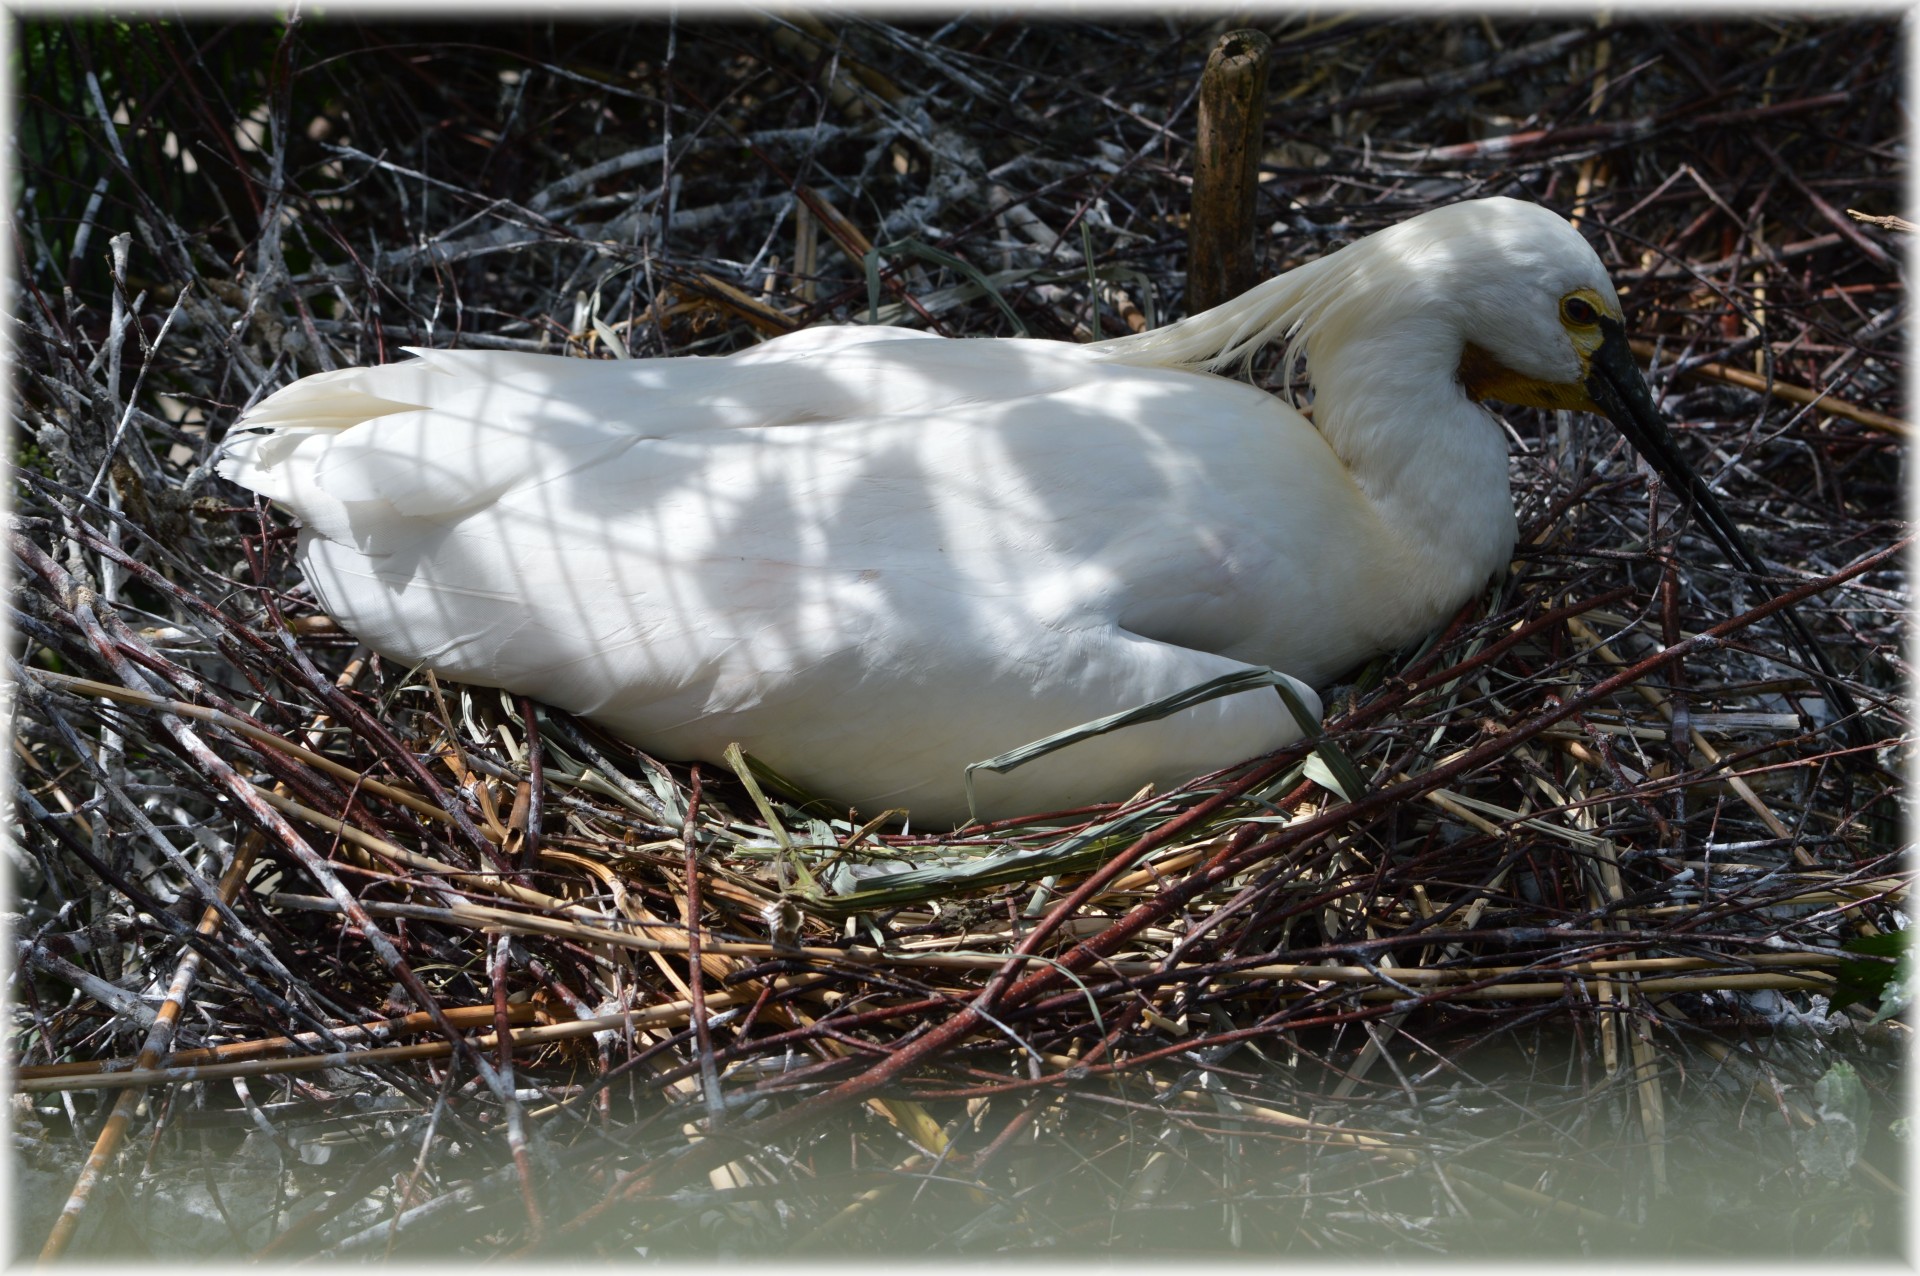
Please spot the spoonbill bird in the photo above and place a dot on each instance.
(872, 556)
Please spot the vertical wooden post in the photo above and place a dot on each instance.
(1233, 113)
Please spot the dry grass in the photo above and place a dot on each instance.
(1558, 965)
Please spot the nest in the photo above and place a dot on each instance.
(1506, 958)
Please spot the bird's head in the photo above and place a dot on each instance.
(1542, 328)
(1538, 317)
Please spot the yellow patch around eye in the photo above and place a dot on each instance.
(1583, 308)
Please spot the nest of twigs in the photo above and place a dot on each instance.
(1564, 933)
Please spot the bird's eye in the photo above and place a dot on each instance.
(1579, 311)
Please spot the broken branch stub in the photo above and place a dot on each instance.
(1220, 234)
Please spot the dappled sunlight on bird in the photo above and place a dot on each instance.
(871, 556)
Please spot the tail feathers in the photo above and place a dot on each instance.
(343, 398)
(261, 443)
(432, 437)
(335, 406)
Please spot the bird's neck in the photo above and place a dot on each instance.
(1383, 355)
(1431, 461)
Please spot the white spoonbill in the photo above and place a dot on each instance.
(872, 556)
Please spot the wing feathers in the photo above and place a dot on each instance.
(868, 556)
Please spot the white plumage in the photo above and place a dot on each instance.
(872, 556)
